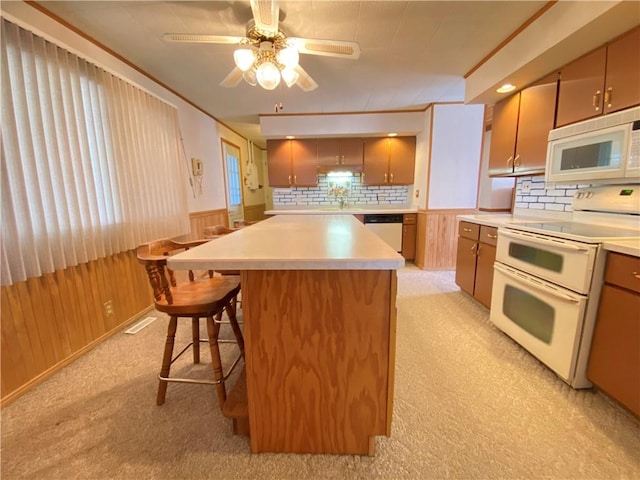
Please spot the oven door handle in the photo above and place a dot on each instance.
(523, 278)
(561, 244)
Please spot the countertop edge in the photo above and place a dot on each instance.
(627, 247)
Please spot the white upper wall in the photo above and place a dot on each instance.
(455, 156)
(366, 124)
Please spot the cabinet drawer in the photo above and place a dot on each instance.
(623, 270)
(469, 230)
(488, 235)
(410, 218)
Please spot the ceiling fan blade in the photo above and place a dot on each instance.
(305, 82)
(233, 78)
(265, 15)
(328, 48)
(200, 38)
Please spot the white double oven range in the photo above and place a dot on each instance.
(548, 275)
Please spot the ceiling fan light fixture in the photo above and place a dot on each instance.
(250, 77)
(289, 57)
(290, 76)
(244, 57)
(268, 75)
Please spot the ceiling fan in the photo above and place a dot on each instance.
(266, 54)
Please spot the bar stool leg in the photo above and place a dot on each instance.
(213, 329)
(195, 338)
(166, 360)
(233, 321)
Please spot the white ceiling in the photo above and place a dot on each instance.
(413, 52)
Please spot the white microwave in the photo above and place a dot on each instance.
(600, 150)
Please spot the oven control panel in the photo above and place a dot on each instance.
(609, 199)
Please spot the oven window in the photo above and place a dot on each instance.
(529, 313)
(536, 256)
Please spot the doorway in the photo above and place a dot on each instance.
(233, 181)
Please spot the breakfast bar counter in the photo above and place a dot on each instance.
(319, 312)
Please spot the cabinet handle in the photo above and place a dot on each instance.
(607, 97)
(295, 179)
(391, 178)
(636, 275)
(342, 160)
(596, 101)
(491, 235)
(289, 179)
(385, 178)
(509, 160)
(473, 249)
(516, 161)
(466, 229)
(337, 159)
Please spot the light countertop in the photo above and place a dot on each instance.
(500, 219)
(628, 247)
(335, 210)
(294, 242)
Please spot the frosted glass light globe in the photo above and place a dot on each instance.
(290, 76)
(244, 58)
(268, 76)
(289, 57)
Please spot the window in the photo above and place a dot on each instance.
(90, 163)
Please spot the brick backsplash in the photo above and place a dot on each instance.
(542, 196)
(360, 194)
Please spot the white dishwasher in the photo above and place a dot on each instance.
(388, 226)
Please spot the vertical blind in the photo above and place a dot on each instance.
(91, 164)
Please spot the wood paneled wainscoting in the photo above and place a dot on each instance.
(254, 212)
(49, 321)
(437, 238)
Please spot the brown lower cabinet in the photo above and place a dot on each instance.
(614, 361)
(409, 231)
(476, 253)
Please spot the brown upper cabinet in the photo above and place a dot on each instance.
(520, 127)
(340, 151)
(389, 161)
(292, 163)
(603, 81)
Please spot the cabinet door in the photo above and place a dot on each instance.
(279, 163)
(329, 151)
(376, 161)
(614, 361)
(503, 135)
(409, 241)
(535, 120)
(466, 264)
(486, 255)
(581, 90)
(622, 87)
(402, 160)
(351, 151)
(304, 161)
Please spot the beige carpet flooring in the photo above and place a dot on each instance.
(469, 404)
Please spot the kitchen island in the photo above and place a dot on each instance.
(319, 312)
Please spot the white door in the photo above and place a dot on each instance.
(233, 181)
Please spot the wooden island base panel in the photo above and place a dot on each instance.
(319, 311)
(320, 359)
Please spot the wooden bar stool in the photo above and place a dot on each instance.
(205, 297)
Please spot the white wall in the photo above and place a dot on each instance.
(495, 193)
(423, 139)
(201, 134)
(455, 156)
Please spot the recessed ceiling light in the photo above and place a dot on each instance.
(392, 135)
(290, 137)
(506, 88)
